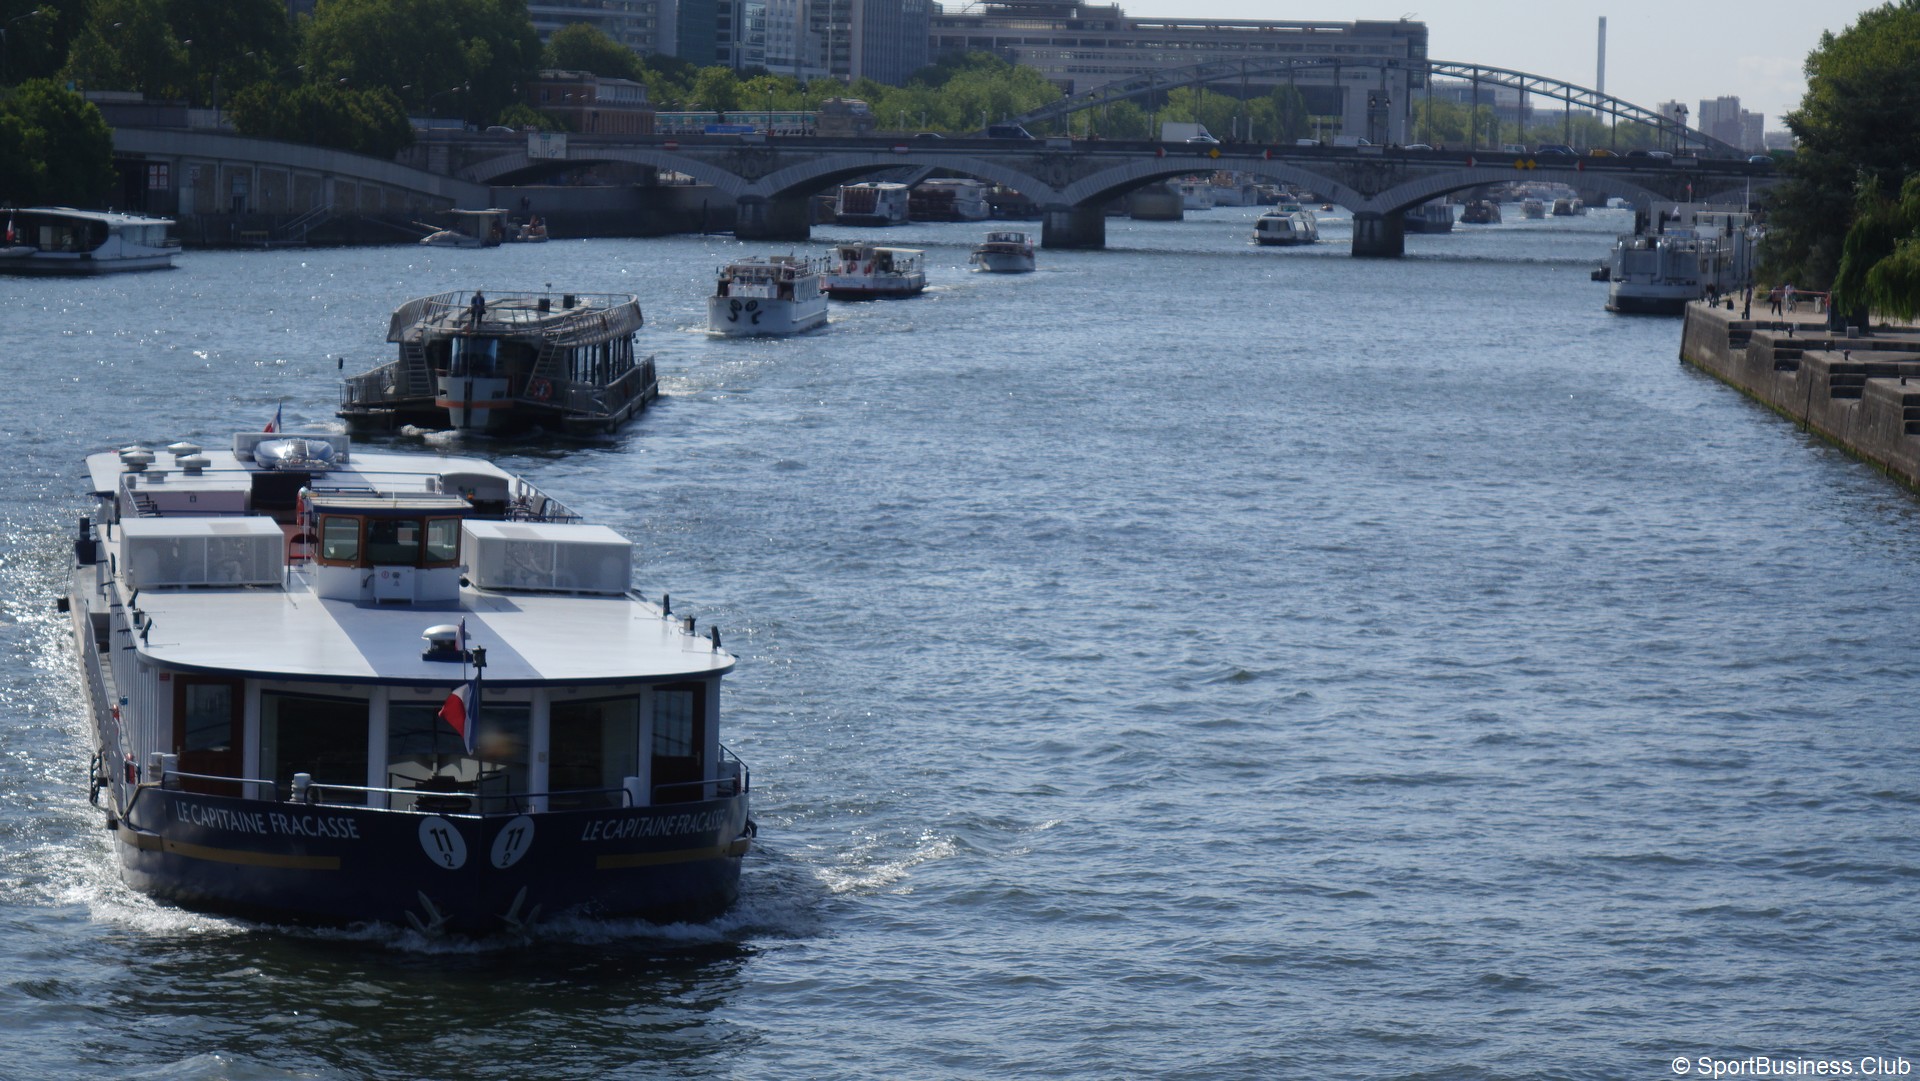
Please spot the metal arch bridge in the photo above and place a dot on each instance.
(1217, 71)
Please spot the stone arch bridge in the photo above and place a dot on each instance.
(771, 179)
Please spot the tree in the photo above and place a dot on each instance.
(1859, 131)
(56, 146)
(364, 121)
(230, 43)
(716, 88)
(475, 52)
(129, 45)
(585, 47)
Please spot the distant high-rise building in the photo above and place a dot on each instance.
(882, 40)
(1725, 120)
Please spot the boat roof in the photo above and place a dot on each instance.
(288, 631)
(105, 217)
(593, 316)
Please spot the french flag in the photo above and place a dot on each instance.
(461, 710)
(274, 424)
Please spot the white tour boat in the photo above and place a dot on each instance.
(1004, 252)
(470, 229)
(1533, 208)
(334, 686)
(872, 203)
(1688, 251)
(61, 241)
(1194, 194)
(868, 272)
(1277, 227)
(779, 294)
(508, 362)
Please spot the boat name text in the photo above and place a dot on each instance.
(617, 829)
(266, 823)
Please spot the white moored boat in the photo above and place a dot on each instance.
(61, 241)
(949, 199)
(1687, 252)
(335, 686)
(867, 272)
(1004, 252)
(1285, 227)
(508, 362)
(471, 229)
(775, 295)
(872, 203)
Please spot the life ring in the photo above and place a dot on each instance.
(539, 389)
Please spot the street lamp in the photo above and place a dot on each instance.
(4, 40)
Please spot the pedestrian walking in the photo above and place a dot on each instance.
(1792, 305)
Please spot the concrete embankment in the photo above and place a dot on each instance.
(1862, 394)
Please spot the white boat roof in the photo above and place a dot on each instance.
(108, 217)
(290, 632)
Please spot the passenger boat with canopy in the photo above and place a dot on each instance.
(58, 241)
(336, 686)
(508, 362)
(779, 294)
(866, 272)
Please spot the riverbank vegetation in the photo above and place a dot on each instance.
(1847, 217)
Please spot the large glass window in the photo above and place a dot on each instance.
(501, 744)
(392, 541)
(592, 745)
(443, 540)
(339, 539)
(324, 737)
(679, 742)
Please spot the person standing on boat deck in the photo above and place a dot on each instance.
(479, 307)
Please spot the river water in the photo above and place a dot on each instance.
(1190, 660)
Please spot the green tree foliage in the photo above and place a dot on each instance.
(584, 47)
(1880, 255)
(715, 88)
(54, 147)
(1859, 133)
(363, 121)
(230, 43)
(470, 55)
(129, 45)
(37, 38)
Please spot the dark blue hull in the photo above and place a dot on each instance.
(478, 875)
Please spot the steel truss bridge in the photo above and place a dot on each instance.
(1670, 131)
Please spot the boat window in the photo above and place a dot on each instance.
(592, 745)
(393, 541)
(476, 356)
(443, 541)
(339, 539)
(679, 742)
(323, 737)
(501, 744)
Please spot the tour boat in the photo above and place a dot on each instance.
(1688, 251)
(1194, 194)
(948, 199)
(1480, 212)
(332, 686)
(61, 241)
(1430, 217)
(775, 295)
(1533, 208)
(1278, 227)
(1568, 208)
(871, 203)
(1004, 252)
(1231, 188)
(508, 362)
(867, 272)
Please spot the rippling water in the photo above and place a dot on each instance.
(1189, 660)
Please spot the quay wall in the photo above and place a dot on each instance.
(1862, 394)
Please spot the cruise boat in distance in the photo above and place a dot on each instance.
(1429, 217)
(1533, 208)
(872, 203)
(508, 362)
(1480, 212)
(1279, 227)
(1231, 188)
(1688, 251)
(868, 272)
(330, 686)
(1194, 194)
(58, 241)
(948, 199)
(779, 294)
(1005, 251)
(1565, 207)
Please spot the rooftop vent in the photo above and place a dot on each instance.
(182, 449)
(193, 464)
(136, 458)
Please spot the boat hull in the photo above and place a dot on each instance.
(81, 265)
(876, 287)
(995, 262)
(745, 317)
(1651, 300)
(471, 874)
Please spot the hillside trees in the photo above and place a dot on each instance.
(54, 147)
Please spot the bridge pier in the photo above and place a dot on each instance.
(1073, 227)
(1379, 236)
(782, 218)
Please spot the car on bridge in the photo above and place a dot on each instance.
(1554, 150)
